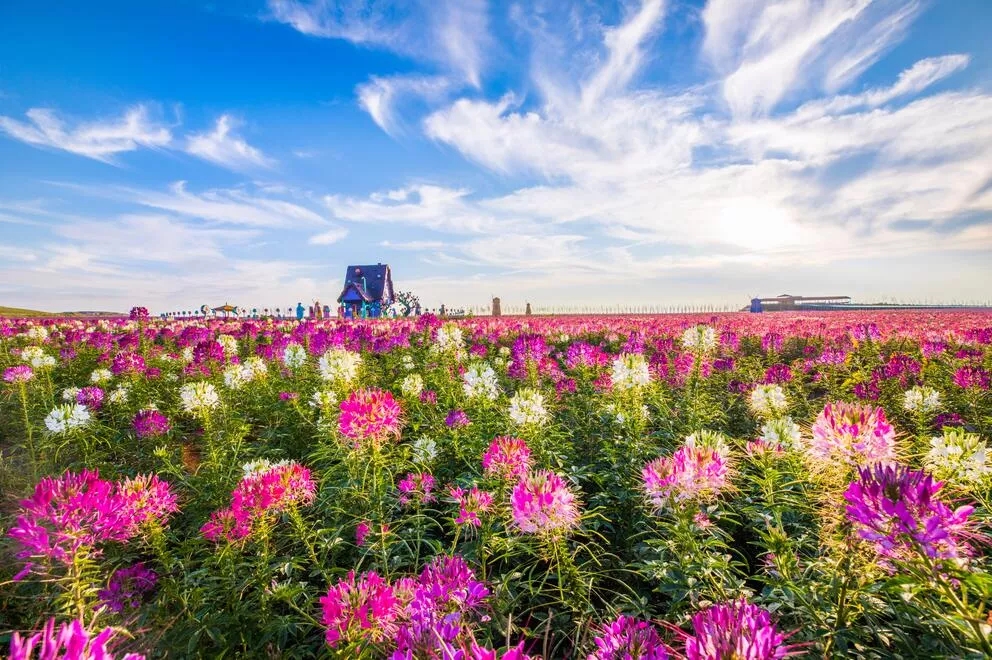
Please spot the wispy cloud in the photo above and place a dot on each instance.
(100, 140)
(223, 146)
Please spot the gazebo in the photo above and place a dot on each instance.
(225, 309)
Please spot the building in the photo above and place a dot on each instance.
(787, 301)
(367, 293)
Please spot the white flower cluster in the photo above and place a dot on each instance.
(198, 398)
(782, 431)
(187, 354)
(412, 385)
(449, 339)
(921, 399)
(230, 344)
(641, 414)
(700, 339)
(630, 370)
(69, 393)
(958, 457)
(260, 465)
(119, 395)
(238, 375)
(527, 408)
(101, 376)
(324, 399)
(339, 365)
(67, 417)
(37, 333)
(504, 351)
(768, 401)
(479, 382)
(294, 356)
(709, 440)
(424, 450)
(408, 363)
(37, 358)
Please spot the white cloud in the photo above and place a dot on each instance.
(329, 237)
(382, 97)
(100, 140)
(222, 146)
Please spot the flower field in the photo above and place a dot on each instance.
(732, 486)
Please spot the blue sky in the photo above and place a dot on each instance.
(644, 152)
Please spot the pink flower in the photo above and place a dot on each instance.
(736, 630)
(543, 503)
(127, 363)
(361, 532)
(693, 472)
(470, 505)
(149, 498)
(369, 416)
(628, 638)
(362, 611)
(507, 457)
(150, 423)
(22, 373)
(855, 433)
(70, 642)
(416, 487)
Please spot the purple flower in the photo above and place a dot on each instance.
(778, 373)
(127, 363)
(289, 396)
(138, 314)
(738, 630)
(947, 419)
(127, 587)
(150, 423)
(895, 508)
(91, 397)
(457, 419)
(71, 641)
(772, 341)
(968, 377)
(428, 396)
(22, 373)
(628, 638)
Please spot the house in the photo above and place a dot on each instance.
(367, 293)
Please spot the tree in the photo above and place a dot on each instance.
(408, 301)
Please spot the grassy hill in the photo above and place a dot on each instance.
(17, 312)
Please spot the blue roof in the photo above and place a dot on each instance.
(372, 283)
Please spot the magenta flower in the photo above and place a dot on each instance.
(457, 419)
(580, 354)
(70, 642)
(738, 630)
(896, 509)
(138, 314)
(772, 341)
(227, 525)
(470, 504)
(507, 457)
(369, 416)
(417, 488)
(542, 503)
(362, 611)
(149, 499)
(968, 377)
(854, 433)
(696, 471)
(476, 652)
(361, 532)
(127, 363)
(91, 397)
(127, 587)
(22, 373)
(150, 423)
(628, 638)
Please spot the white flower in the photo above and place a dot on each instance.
(46, 362)
(255, 368)
(198, 398)
(479, 381)
(119, 395)
(768, 401)
(412, 385)
(67, 417)
(504, 351)
(408, 363)
(101, 376)
(958, 457)
(921, 399)
(782, 431)
(69, 393)
(230, 344)
(630, 370)
(235, 376)
(700, 339)
(261, 465)
(187, 354)
(449, 339)
(37, 333)
(323, 399)
(710, 440)
(294, 356)
(37, 357)
(424, 450)
(339, 366)
(527, 408)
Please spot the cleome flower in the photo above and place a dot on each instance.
(507, 457)
(70, 641)
(339, 366)
(768, 401)
(629, 370)
(527, 408)
(470, 504)
(856, 434)
(479, 382)
(896, 509)
(738, 630)
(628, 638)
(67, 417)
(921, 399)
(701, 339)
(198, 398)
(542, 503)
(369, 416)
(959, 458)
(698, 470)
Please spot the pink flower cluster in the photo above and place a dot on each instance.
(507, 458)
(693, 472)
(628, 638)
(276, 489)
(739, 630)
(21, 373)
(896, 509)
(417, 488)
(70, 642)
(470, 504)
(76, 512)
(855, 433)
(542, 503)
(427, 616)
(369, 416)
